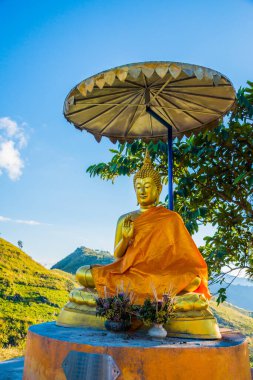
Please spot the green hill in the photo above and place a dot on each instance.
(232, 318)
(83, 256)
(29, 294)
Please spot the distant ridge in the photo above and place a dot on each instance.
(239, 293)
(30, 293)
(242, 281)
(83, 256)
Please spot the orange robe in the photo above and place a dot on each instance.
(162, 255)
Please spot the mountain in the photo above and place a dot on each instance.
(235, 319)
(83, 256)
(29, 294)
(239, 293)
(238, 280)
(241, 296)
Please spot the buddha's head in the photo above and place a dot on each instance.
(147, 184)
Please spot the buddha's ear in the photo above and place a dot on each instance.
(158, 194)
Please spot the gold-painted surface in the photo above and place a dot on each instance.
(196, 314)
(147, 195)
(190, 301)
(82, 297)
(196, 328)
(76, 315)
(73, 317)
(192, 324)
(84, 276)
(86, 309)
(181, 266)
(148, 171)
(124, 228)
(114, 103)
(147, 185)
(194, 284)
(190, 308)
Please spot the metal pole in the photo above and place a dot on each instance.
(170, 170)
(170, 156)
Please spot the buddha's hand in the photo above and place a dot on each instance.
(128, 229)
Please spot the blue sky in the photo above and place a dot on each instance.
(46, 198)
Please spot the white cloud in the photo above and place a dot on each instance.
(20, 221)
(30, 222)
(10, 160)
(10, 126)
(4, 219)
(13, 138)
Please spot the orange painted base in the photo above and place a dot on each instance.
(137, 356)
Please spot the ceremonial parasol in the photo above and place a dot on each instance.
(151, 101)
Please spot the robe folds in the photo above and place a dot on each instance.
(162, 255)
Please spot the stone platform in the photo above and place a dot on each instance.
(137, 356)
(12, 369)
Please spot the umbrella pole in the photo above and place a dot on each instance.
(170, 170)
(170, 155)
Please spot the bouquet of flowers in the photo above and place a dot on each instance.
(116, 308)
(157, 312)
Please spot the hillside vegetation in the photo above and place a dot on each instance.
(83, 256)
(29, 294)
(232, 318)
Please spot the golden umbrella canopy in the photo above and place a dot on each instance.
(130, 101)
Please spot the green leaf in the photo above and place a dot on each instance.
(114, 151)
(239, 178)
(213, 178)
(250, 180)
(221, 295)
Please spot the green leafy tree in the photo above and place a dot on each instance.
(213, 181)
(20, 244)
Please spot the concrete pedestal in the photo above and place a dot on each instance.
(137, 356)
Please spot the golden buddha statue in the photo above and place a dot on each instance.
(153, 250)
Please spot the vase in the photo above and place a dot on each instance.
(117, 326)
(157, 331)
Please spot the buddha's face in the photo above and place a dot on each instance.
(146, 191)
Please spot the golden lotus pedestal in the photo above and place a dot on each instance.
(192, 324)
(192, 317)
(135, 355)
